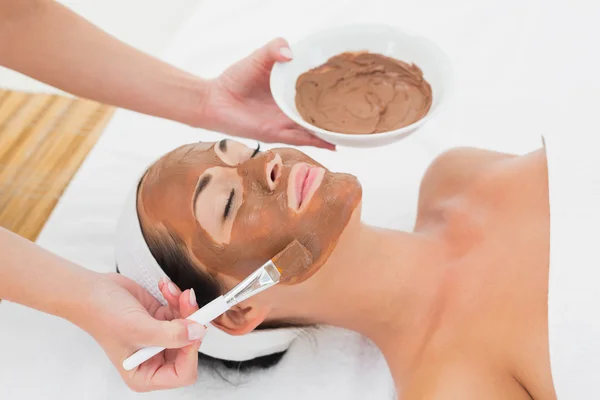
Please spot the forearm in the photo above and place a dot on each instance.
(36, 278)
(50, 43)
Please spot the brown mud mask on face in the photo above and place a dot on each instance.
(293, 263)
(360, 93)
(264, 223)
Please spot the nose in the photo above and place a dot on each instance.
(273, 171)
(265, 168)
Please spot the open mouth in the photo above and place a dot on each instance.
(305, 180)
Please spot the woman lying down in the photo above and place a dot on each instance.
(472, 304)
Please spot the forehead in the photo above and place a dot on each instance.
(194, 157)
(170, 182)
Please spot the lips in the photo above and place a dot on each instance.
(305, 179)
(302, 183)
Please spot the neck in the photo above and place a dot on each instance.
(383, 284)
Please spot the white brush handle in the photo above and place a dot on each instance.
(203, 316)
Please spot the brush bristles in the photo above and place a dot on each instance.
(293, 261)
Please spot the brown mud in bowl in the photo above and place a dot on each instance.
(363, 93)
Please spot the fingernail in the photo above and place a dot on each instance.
(193, 301)
(165, 281)
(195, 332)
(286, 52)
(173, 289)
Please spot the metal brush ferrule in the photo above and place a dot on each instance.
(261, 279)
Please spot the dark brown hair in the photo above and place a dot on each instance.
(170, 253)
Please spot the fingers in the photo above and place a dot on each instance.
(186, 363)
(170, 292)
(187, 303)
(168, 334)
(178, 365)
(184, 304)
(177, 369)
(301, 137)
(165, 313)
(277, 50)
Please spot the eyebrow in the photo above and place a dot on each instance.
(223, 145)
(199, 188)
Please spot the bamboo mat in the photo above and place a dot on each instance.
(43, 141)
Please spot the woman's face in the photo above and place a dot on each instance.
(236, 207)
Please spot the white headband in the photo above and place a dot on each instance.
(136, 262)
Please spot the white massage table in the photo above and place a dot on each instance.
(523, 67)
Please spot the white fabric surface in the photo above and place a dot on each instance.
(523, 68)
(573, 294)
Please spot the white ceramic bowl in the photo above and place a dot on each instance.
(318, 47)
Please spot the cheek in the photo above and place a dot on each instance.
(256, 237)
(247, 219)
(260, 230)
(330, 210)
(253, 223)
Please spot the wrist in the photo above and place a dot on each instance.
(200, 114)
(75, 303)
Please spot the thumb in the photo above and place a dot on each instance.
(172, 334)
(277, 50)
(301, 137)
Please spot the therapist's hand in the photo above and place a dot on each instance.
(240, 101)
(123, 317)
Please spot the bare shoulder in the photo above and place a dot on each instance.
(461, 163)
(463, 380)
(453, 169)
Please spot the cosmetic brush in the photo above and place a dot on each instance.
(287, 264)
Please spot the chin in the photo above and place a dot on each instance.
(348, 237)
(348, 194)
(352, 189)
(341, 196)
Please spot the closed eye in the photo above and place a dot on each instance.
(256, 151)
(228, 205)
